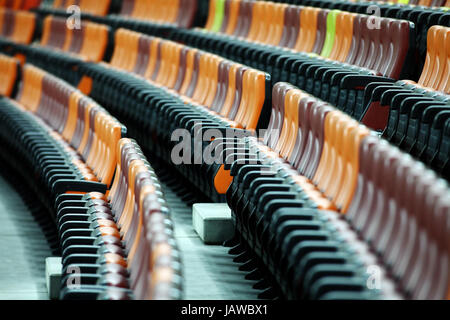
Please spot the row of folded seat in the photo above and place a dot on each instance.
(19, 4)
(230, 12)
(17, 26)
(129, 41)
(432, 142)
(180, 13)
(9, 73)
(363, 5)
(340, 52)
(305, 29)
(415, 116)
(422, 17)
(88, 42)
(285, 29)
(329, 209)
(325, 205)
(336, 86)
(428, 3)
(122, 244)
(115, 231)
(98, 7)
(61, 49)
(172, 86)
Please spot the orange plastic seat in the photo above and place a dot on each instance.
(232, 16)
(95, 42)
(276, 23)
(98, 8)
(17, 26)
(211, 14)
(308, 25)
(89, 42)
(162, 11)
(437, 63)
(343, 37)
(8, 74)
(30, 91)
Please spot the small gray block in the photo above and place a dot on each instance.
(53, 270)
(212, 222)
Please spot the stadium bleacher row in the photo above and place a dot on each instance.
(329, 128)
(109, 229)
(300, 236)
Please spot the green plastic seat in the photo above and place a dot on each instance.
(218, 18)
(331, 32)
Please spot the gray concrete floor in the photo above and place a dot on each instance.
(209, 271)
(23, 248)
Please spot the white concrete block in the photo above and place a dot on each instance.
(212, 222)
(53, 270)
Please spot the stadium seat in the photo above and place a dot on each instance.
(168, 81)
(345, 64)
(412, 115)
(50, 99)
(151, 268)
(111, 215)
(159, 62)
(9, 73)
(17, 26)
(19, 4)
(178, 12)
(323, 125)
(62, 49)
(89, 42)
(99, 8)
(279, 212)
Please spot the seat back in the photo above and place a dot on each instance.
(186, 13)
(125, 52)
(435, 71)
(9, 69)
(84, 124)
(211, 15)
(140, 210)
(308, 29)
(54, 32)
(401, 208)
(18, 26)
(330, 33)
(95, 41)
(98, 8)
(338, 167)
(321, 30)
(235, 92)
(380, 44)
(89, 42)
(219, 11)
(244, 19)
(177, 12)
(15, 4)
(291, 26)
(343, 37)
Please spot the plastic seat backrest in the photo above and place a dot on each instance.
(330, 33)
(308, 29)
